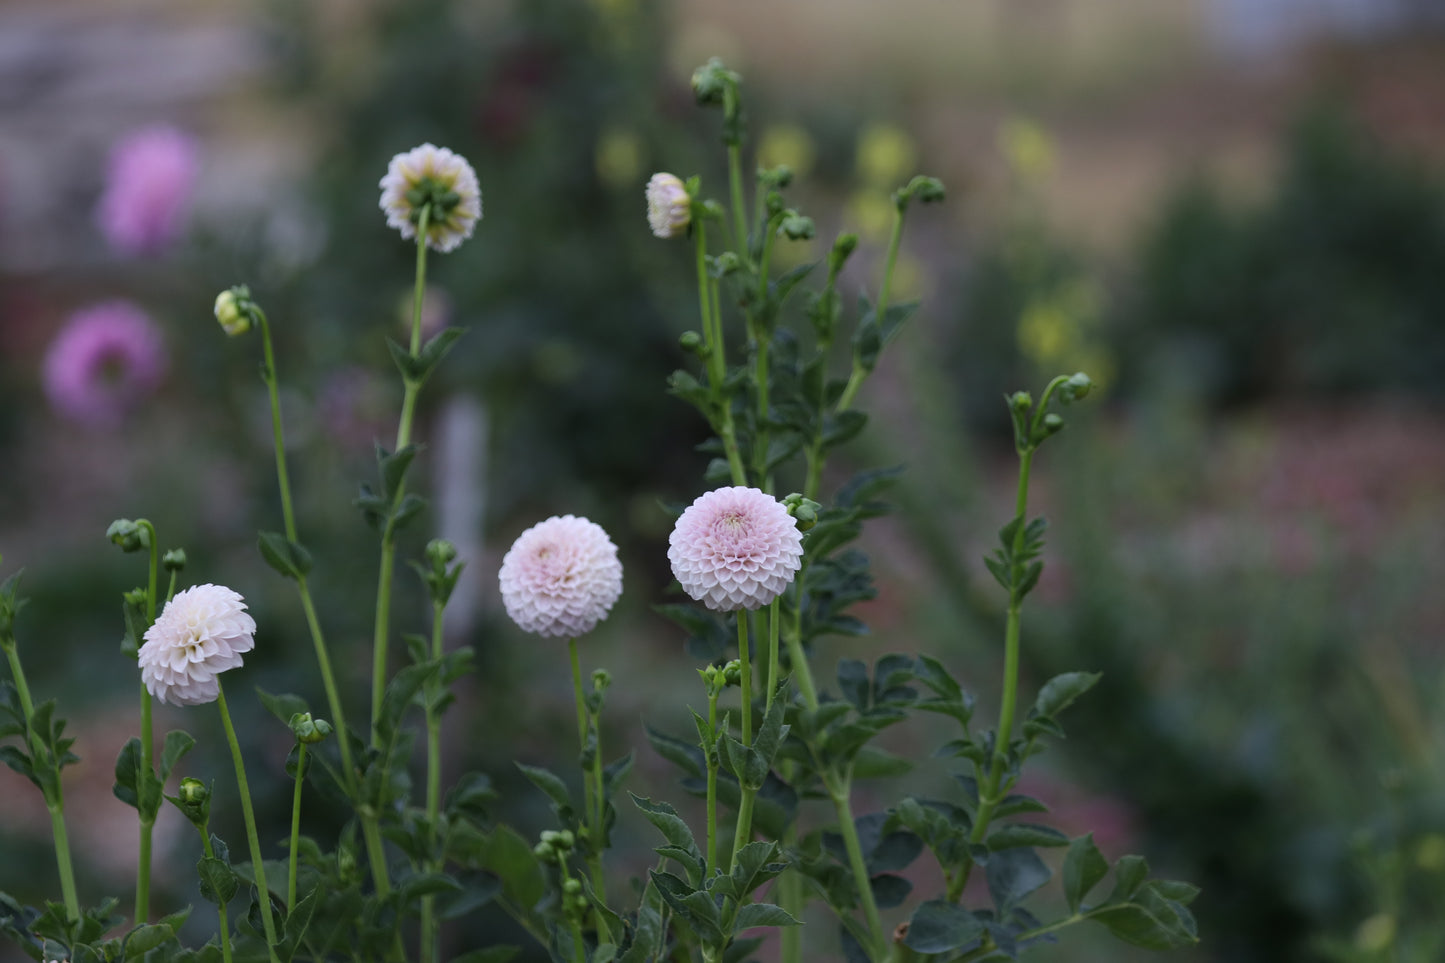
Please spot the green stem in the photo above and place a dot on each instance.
(710, 753)
(143, 863)
(375, 853)
(742, 835)
(257, 864)
(171, 588)
(430, 926)
(717, 355)
(220, 907)
(735, 174)
(802, 674)
(288, 517)
(591, 792)
(62, 857)
(745, 673)
(855, 378)
(411, 389)
(57, 805)
(839, 793)
(790, 898)
(774, 617)
(295, 826)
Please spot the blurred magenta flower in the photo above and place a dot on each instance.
(104, 360)
(148, 189)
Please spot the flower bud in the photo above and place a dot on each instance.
(733, 673)
(174, 560)
(928, 190)
(128, 535)
(440, 552)
(136, 596)
(601, 679)
(1077, 387)
(231, 311)
(726, 263)
(692, 341)
(572, 886)
(1021, 401)
(309, 731)
(710, 83)
(804, 510)
(842, 248)
(780, 176)
(796, 227)
(543, 851)
(669, 208)
(193, 798)
(1053, 424)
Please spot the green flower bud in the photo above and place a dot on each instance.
(693, 342)
(543, 851)
(572, 886)
(780, 176)
(231, 311)
(726, 263)
(193, 798)
(565, 839)
(796, 227)
(440, 552)
(1021, 401)
(843, 247)
(710, 83)
(1077, 387)
(805, 510)
(136, 596)
(174, 560)
(128, 535)
(733, 673)
(309, 731)
(601, 679)
(1052, 423)
(928, 190)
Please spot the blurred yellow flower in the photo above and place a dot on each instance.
(1376, 933)
(870, 212)
(618, 158)
(1027, 147)
(787, 144)
(886, 156)
(1044, 331)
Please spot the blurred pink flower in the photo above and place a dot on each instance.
(735, 548)
(104, 360)
(561, 577)
(148, 190)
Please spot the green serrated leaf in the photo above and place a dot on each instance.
(1061, 691)
(287, 557)
(940, 926)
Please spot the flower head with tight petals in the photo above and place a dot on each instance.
(102, 362)
(561, 577)
(148, 190)
(735, 548)
(669, 209)
(431, 176)
(201, 633)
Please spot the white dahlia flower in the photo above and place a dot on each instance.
(735, 548)
(201, 633)
(561, 577)
(436, 176)
(669, 209)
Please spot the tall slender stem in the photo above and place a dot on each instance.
(56, 806)
(712, 333)
(411, 388)
(590, 791)
(774, 616)
(288, 518)
(745, 673)
(710, 753)
(839, 790)
(221, 906)
(433, 789)
(855, 378)
(147, 742)
(295, 826)
(257, 864)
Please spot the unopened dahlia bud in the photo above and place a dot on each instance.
(842, 248)
(804, 509)
(231, 311)
(440, 552)
(601, 679)
(710, 82)
(439, 181)
(309, 731)
(1052, 423)
(561, 577)
(201, 633)
(1077, 387)
(128, 535)
(669, 209)
(193, 798)
(1021, 401)
(735, 548)
(174, 560)
(796, 227)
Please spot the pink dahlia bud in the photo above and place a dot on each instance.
(439, 179)
(200, 634)
(105, 360)
(561, 577)
(669, 209)
(735, 548)
(148, 190)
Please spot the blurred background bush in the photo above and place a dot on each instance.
(1230, 212)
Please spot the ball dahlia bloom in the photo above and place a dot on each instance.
(735, 548)
(436, 176)
(669, 209)
(201, 633)
(102, 362)
(148, 189)
(561, 577)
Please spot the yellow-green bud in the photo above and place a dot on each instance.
(309, 731)
(193, 792)
(231, 314)
(572, 887)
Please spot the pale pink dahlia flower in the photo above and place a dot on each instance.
(148, 190)
(104, 360)
(735, 548)
(201, 633)
(669, 209)
(436, 176)
(561, 577)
